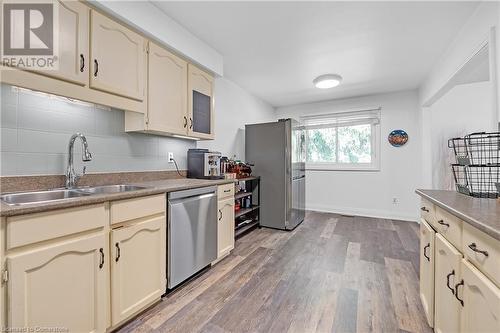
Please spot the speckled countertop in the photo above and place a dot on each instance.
(484, 214)
(153, 187)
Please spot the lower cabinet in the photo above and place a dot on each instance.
(427, 270)
(225, 227)
(480, 305)
(63, 284)
(138, 275)
(447, 274)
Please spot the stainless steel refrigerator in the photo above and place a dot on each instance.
(277, 151)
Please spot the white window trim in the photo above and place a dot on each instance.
(374, 166)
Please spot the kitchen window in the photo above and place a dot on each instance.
(343, 141)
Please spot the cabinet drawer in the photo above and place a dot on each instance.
(449, 226)
(33, 228)
(225, 191)
(428, 212)
(130, 209)
(488, 264)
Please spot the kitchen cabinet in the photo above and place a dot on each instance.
(167, 92)
(138, 267)
(480, 301)
(200, 103)
(225, 226)
(73, 57)
(447, 275)
(118, 58)
(427, 270)
(61, 284)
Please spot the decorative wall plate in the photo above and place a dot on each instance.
(398, 138)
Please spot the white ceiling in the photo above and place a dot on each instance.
(275, 49)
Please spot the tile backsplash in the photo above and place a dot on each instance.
(35, 130)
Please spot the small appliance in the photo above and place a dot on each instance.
(204, 164)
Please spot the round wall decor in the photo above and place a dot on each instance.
(398, 138)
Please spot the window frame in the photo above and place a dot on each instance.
(375, 151)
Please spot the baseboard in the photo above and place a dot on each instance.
(381, 214)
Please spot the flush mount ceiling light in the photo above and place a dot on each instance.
(327, 81)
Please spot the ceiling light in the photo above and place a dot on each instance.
(327, 81)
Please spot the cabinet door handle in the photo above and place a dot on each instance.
(425, 249)
(448, 281)
(82, 63)
(461, 283)
(101, 262)
(191, 123)
(96, 69)
(424, 209)
(220, 214)
(227, 191)
(185, 121)
(474, 248)
(442, 222)
(118, 251)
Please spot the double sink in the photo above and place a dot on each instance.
(26, 198)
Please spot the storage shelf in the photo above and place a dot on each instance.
(244, 211)
(245, 228)
(242, 195)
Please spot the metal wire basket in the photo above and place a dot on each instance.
(477, 180)
(477, 149)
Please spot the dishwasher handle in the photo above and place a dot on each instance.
(192, 193)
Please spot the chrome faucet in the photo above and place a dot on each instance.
(71, 176)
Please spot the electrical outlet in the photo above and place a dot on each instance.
(395, 201)
(170, 157)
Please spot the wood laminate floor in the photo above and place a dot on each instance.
(331, 274)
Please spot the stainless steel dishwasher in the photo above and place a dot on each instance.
(191, 232)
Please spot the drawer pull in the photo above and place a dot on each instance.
(101, 262)
(118, 252)
(227, 191)
(425, 249)
(424, 209)
(474, 248)
(448, 281)
(461, 283)
(442, 222)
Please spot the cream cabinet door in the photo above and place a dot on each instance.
(118, 58)
(481, 301)
(447, 274)
(167, 92)
(62, 285)
(427, 270)
(138, 267)
(225, 227)
(200, 103)
(73, 33)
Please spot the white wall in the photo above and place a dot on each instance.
(234, 108)
(371, 193)
(464, 109)
(147, 18)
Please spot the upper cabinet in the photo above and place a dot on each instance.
(167, 93)
(118, 58)
(73, 43)
(200, 103)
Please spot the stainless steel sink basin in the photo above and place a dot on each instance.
(26, 198)
(110, 189)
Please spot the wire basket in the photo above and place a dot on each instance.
(477, 180)
(477, 149)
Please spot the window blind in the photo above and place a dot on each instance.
(342, 119)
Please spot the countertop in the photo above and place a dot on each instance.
(153, 187)
(484, 214)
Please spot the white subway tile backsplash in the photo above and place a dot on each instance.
(36, 129)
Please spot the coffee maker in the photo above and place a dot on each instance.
(204, 164)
